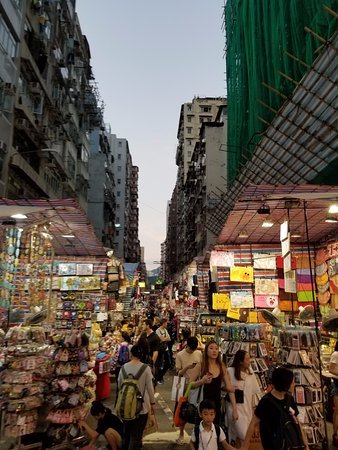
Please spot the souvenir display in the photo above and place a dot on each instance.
(207, 325)
(72, 387)
(298, 348)
(75, 309)
(252, 338)
(24, 379)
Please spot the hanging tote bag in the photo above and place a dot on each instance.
(178, 421)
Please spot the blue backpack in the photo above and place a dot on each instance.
(124, 355)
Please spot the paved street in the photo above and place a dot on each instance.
(167, 434)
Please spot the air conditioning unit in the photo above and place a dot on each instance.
(22, 124)
(35, 88)
(3, 146)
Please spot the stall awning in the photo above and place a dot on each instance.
(61, 218)
(244, 222)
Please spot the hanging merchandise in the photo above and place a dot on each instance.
(298, 348)
(255, 339)
(222, 259)
(72, 389)
(242, 274)
(24, 380)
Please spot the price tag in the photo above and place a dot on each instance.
(220, 301)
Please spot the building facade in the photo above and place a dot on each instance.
(49, 101)
(184, 218)
(101, 192)
(126, 242)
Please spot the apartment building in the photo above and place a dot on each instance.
(101, 195)
(49, 101)
(126, 241)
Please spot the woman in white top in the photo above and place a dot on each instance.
(333, 368)
(246, 385)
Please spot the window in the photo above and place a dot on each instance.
(119, 181)
(117, 232)
(189, 129)
(119, 168)
(189, 154)
(190, 118)
(189, 106)
(189, 142)
(119, 156)
(118, 193)
(120, 143)
(118, 206)
(7, 41)
(205, 109)
(117, 220)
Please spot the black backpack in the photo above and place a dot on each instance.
(290, 436)
(197, 434)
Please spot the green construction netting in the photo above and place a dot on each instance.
(258, 32)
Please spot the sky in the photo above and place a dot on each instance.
(148, 58)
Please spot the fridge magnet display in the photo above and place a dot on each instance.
(67, 269)
(84, 269)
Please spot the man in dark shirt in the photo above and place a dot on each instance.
(109, 425)
(153, 339)
(272, 412)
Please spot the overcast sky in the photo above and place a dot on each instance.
(149, 57)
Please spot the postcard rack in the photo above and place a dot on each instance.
(297, 347)
(254, 339)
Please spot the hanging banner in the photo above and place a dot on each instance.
(241, 299)
(222, 259)
(266, 286)
(220, 301)
(264, 261)
(284, 229)
(241, 274)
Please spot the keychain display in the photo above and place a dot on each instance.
(75, 309)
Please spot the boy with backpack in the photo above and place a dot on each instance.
(207, 435)
(276, 416)
(135, 399)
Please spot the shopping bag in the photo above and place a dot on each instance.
(151, 426)
(178, 422)
(177, 388)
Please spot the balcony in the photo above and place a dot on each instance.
(20, 163)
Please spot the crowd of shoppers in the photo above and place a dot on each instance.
(227, 397)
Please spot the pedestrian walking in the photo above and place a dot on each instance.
(208, 435)
(188, 365)
(135, 371)
(163, 360)
(214, 378)
(276, 416)
(246, 390)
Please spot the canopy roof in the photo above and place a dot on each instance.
(62, 218)
(283, 201)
